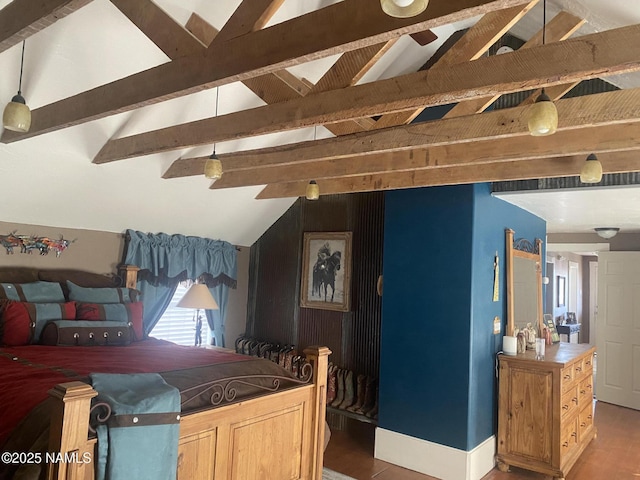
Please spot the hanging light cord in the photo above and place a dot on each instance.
(544, 21)
(544, 29)
(21, 67)
(216, 116)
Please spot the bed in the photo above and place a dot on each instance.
(242, 418)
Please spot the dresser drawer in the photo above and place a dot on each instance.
(585, 391)
(567, 377)
(585, 420)
(588, 363)
(568, 436)
(569, 402)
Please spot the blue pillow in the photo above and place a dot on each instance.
(34, 292)
(101, 295)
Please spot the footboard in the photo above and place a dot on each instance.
(276, 436)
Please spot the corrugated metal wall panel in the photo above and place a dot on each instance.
(274, 312)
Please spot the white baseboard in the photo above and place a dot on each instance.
(433, 459)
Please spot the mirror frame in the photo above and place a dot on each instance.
(522, 248)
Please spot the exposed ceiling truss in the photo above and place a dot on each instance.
(375, 148)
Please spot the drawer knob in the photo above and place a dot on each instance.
(583, 392)
(574, 400)
(590, 417)
(583, 424)
(578, 369)
(574, 434)
(565, 407)
(567, 377)
(565, 444)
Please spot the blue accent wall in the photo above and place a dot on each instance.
(437, 343)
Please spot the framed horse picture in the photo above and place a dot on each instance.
(326, 271)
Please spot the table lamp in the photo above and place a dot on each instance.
(199, 298)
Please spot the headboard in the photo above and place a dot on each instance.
(126, 277)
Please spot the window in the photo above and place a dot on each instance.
(178, 325)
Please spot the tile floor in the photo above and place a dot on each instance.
(613, 455)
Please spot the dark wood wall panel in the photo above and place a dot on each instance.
(364, 325)
(274, 280)
(274, 289)
(322, 327)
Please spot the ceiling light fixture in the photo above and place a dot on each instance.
(607, 232)
(17, 116)
(591, 170)
(213, 166)
(543, 114)
(404, 8)
(313, 191)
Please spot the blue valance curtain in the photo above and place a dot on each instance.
(165, 260)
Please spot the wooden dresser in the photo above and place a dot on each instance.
(545, 409)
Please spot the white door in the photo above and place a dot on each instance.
(618, 329)
(593, 301)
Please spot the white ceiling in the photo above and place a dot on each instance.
(50, 179)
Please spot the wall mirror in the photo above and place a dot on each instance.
(524, 282)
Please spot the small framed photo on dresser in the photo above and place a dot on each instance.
(551, 326)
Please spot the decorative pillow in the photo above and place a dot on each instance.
(118, 312)
(38, 292)
(102, 295)
(23, 322)
(86, 333)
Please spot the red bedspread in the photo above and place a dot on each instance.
(27, 373)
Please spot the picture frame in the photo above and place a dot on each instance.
(551, 326)
(326, 271)
(561, 291)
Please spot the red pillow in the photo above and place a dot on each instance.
(23, 321)
(119, 312)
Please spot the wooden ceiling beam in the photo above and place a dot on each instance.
(282, 85)
(615, 162)
(22, 18)
(594, 139)
(354, 24)
(622, 106)
(588, 56)
(250, 16)
(471, 46)
(561, 27)
(168, 35)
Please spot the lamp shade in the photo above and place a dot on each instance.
(213, 168)
(198, 296)
(543, 117)
(313, 191)
(404, 8)
(591, 170)
(607, 232)
(17, 116)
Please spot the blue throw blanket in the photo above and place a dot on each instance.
(140, 439)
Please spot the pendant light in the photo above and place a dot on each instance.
(543, 115)
(213, 166)
(591, 170)
(403, 8)
(313, 190)
(17, 116)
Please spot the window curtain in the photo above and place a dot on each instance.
(166, 260)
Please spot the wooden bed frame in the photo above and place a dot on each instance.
(275, 436)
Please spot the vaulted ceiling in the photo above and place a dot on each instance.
(123, 95)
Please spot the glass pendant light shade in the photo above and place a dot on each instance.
(313, 191)
(17, 116)
(591, 170)
(543, 117)
(404, 8)
(213, 167)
